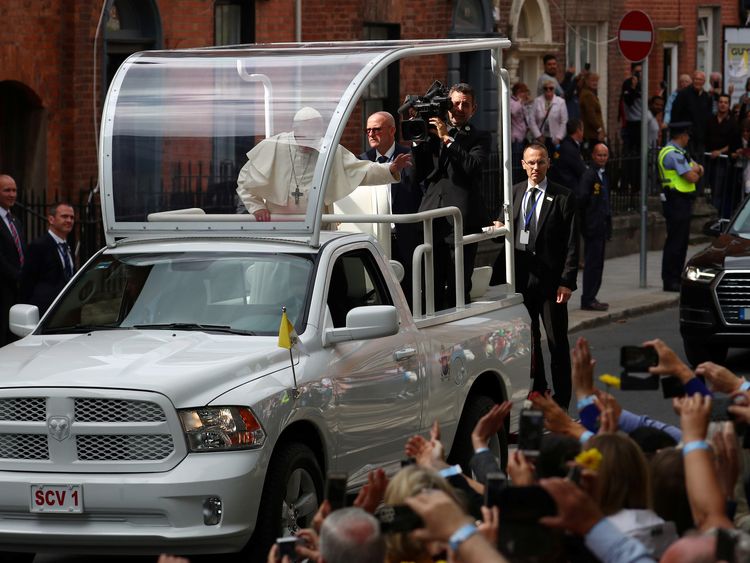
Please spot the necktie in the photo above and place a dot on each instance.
(65, 253)
(531, 213)
(382, 159)
(15, 237)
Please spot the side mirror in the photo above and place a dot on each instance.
(23, 319)
(715, 227)
(363, 323)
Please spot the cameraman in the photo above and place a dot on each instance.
(450, 164)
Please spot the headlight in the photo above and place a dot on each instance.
(702, 275)
(211, 429)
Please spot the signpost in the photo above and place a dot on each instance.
(635, 38)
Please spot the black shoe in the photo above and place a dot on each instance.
(672, 287)
(595, 306)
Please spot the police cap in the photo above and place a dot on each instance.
(679, 127)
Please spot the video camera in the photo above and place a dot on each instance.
(435, 103)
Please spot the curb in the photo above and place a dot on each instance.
(626, 313)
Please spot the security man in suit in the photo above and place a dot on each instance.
(678, 174)
(12, 254)
(403, 197)
(567, 162)
(49, 264)
(595, 220)
(450, 165)
(546, 258)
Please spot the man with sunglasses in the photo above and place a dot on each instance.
(404, 196)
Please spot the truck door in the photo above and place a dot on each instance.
(377, 383)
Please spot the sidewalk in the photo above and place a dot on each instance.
(621, 289)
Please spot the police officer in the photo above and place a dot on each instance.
(678, 174)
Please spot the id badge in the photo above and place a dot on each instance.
(523, 237)
(663, 197)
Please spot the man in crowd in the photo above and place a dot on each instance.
(550, 73)
(450, 164)
(12, 254)
(403, 196)
(546, 257)
(278, 173)
(694, 105)
(678, 174)
(631, 138)
(567, 162)
(595, 219)
(351, 534)
(685, 81)
(49, 261)
(721, 137)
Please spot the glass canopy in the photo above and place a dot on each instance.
(202, 139)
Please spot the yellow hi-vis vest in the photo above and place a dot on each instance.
(670, 179)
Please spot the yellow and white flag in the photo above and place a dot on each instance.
(287, 335)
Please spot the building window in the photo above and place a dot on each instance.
(708, 33)
(234, 22)
(382, 93)
(583, 46)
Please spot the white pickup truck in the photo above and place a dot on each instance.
(151, 408)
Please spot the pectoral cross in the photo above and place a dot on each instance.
(297, 194)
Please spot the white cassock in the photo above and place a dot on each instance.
(278, 174)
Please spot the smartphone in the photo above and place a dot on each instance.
(725, 546)
(397, 518)
(530, 431)
(287, 547)
(720, 409)
(638, 358)
(672, 387)
(521, 535)
(496, 482)
(335, 492)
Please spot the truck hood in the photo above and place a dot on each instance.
(191, 368)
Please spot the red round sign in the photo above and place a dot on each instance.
(635, 36)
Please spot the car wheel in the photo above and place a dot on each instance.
(476, 407)
(291, 495)
(698, 352)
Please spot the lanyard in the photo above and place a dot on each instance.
(527, 220)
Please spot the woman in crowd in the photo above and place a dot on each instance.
(591, 112)
(548, 117)
(519, 126)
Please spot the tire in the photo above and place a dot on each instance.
(462, 451)
(294, 482)
(698, 352)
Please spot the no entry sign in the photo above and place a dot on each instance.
(635, 36)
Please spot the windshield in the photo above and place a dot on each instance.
(741, 224)
(193, 291)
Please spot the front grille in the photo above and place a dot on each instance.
(124, 448)
(89, 432)
(116, 410)
(23, 446)
(23, 408)
(733, 294)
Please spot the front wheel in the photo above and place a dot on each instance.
(476, 407)
(291, 495)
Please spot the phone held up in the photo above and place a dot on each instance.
(335, 492)
(397, 518)
(287, 547)
(493, 489)
(635, 361)
(530, 432)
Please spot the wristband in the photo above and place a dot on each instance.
(586, 436)
(450, 471)
(585, 402)
(481, 451)
(694, 445)
(461, 535)
(745, 385)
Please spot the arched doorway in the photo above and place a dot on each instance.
(23, 137)
(531, 34)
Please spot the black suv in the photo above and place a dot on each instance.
(715, 292)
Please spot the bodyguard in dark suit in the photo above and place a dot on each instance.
(567, 162)
(450, 165)
(595, 220)
(12, 253)
(405, 196)
(546, 257)
(49, 262)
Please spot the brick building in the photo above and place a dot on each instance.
(59, 55)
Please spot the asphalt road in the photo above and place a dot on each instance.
(605, 342)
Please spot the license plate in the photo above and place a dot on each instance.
(56, 498)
